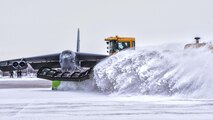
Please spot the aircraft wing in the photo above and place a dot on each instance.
(51, 60)
(89, 56)
(36, 62)
(89, 59)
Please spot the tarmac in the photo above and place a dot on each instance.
(24, 83)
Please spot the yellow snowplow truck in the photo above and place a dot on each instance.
(116, 44)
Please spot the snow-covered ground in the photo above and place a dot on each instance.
(7, 83)
(46, 104)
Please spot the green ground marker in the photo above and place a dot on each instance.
(55, 84)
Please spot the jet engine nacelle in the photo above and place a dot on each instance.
(20, 65)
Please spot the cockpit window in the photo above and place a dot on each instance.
(133, 44)
(123, 45)
(112, 46)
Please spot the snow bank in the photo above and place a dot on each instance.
(157, 72)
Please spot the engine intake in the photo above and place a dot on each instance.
(20, 65)
(15, 64)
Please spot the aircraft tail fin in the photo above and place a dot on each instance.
(78, 41)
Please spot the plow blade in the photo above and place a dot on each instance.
(51, 74)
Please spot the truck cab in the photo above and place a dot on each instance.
(116, 44)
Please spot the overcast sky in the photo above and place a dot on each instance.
(37, 27)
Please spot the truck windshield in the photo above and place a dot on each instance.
(133, 44)
(123, 45)
(112, 47)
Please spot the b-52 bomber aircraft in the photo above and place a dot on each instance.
(67, 65)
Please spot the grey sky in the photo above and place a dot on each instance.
(35, 27)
